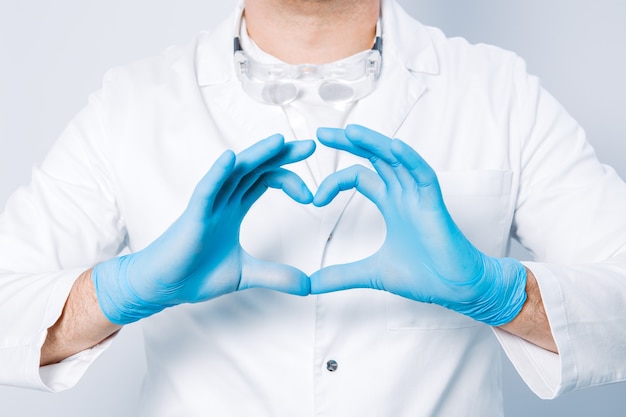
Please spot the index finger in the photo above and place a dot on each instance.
(263, 156)
(372, 142)
(336, 138)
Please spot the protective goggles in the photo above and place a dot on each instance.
(342, 82)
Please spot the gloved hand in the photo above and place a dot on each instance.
(199, 256)
(425, 257)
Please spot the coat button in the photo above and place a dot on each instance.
(332, 365)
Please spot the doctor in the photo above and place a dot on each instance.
(485, 154)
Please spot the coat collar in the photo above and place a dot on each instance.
(408, 58)
(404, 40)
(407, 40)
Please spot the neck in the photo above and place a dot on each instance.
(312, 31)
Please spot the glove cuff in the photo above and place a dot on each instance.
(504, 292)
(117, 300)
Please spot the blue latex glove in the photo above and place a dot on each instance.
(199, 256)
(425, 256)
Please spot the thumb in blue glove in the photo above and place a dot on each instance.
(199, 256)
(425, 256)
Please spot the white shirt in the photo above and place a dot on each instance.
(511, 163)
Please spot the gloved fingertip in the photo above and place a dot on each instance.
(295, 281)
(306, 197)
(275, 142)
(276, 137)
(305, 286)
(309, 146)
(329, 133)
(227, 157)
(353, 127)
(398, 144)
(314, 283)
(320, 201)
(294, 187)
(274, 276)
(354, 130)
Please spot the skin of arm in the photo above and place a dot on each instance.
(532, 322)
(82, 324)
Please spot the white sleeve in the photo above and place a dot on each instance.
(63, 223)
(571, 215)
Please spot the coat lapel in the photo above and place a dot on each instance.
(387, 107)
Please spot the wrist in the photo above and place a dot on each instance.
(116, 297)
(532, 322)
(501, 292)
(507, 291)
(80, 326)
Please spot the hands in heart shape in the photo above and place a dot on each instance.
(424, 257)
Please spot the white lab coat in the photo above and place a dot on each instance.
(511, 162)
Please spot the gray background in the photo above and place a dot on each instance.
(54, 53)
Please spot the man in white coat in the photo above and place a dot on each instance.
(394, 308)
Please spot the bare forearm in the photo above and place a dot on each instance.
(532, 322)
(81, 325)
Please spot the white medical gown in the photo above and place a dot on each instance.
(512, 164)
